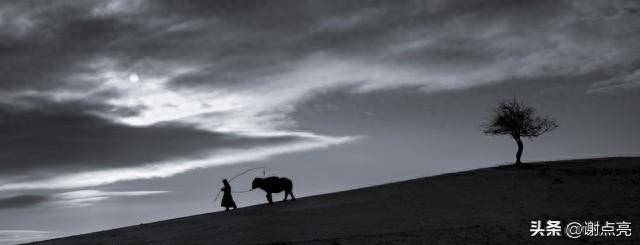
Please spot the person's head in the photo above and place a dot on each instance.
(224, 181)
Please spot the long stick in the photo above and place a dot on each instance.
(244, 172)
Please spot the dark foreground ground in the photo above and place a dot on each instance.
(485, 206)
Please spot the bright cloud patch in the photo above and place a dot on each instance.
(22, 236)
(83, 198)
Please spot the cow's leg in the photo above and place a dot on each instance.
(269, 197)
(293, 198)
(285, 196)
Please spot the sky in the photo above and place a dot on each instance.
(116, 112)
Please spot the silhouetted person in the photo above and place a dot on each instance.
(227, 199)
(274, 185)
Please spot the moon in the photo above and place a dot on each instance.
(134, 78)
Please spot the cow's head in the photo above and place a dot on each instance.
(256, 183)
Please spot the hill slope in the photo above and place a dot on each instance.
(485, 206)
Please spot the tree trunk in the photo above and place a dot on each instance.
(519, 153)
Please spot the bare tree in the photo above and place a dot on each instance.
(514, 118)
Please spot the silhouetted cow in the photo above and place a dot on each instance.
(274, 185)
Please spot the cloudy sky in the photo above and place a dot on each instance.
(118, 112)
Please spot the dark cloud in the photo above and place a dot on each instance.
(519, 37)
(63, 136)
(93, 104)
(240, 43)
(22, 201)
